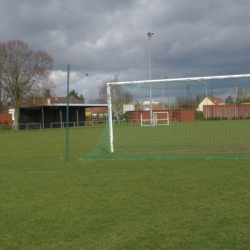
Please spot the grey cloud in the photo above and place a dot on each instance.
(192, 38)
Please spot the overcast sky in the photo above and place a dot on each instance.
(105, 38)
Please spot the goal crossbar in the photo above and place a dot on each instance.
(188, 79)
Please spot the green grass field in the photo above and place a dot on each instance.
(47, 203)
(181, 140)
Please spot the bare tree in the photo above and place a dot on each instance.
(186, 103)
(119, 97)
(25, 73)
(4, 98)
(242, 95)
(76, 95)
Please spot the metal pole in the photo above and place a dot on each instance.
(205, 88)
(150, 34)
(67, 117)
(77, 119)
(61, 118)
(163, 98)
(42, 117)
(168, 97)
(206, 98)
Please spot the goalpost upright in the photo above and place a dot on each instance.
(110, 121)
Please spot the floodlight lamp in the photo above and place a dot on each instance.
(150, 34)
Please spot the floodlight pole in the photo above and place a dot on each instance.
(205, 88)
(168, 94)
(206, 94)
(168, 97)
(67, 116)
(150, 35)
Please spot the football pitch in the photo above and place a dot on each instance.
(48, 203)
(224, 139)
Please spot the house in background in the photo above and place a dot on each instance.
(210, 100)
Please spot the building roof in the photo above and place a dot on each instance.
(97, 110)
(58, 101)
(215, 99)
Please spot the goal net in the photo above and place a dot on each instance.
(204, 117)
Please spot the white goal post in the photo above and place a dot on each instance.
(147, 122)
(161, 118)
(176, 80)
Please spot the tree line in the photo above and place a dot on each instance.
(120, 96)
(24, 75)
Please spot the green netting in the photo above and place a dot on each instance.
(208, 120)
(219, 139)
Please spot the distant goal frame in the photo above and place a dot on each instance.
(154, 121)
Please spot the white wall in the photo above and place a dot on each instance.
(12, 112)
(206, 101)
